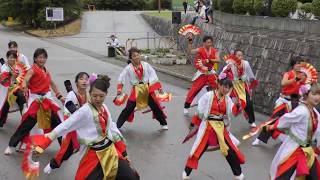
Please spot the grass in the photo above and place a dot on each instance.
(66, 30)
(163, 14)
(177, 4)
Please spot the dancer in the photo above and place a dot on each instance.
(42, 109)
(77, 99)
(13, 45)
(12, 75)
(288, 100)
(98, 137)
(144, 82)
(296, 158)
(212, 108)
(240, 72)
(206, 58)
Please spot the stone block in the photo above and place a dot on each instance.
(303, 49)
(166, 61)
(181, 61)
(289, 45)
(285, 57)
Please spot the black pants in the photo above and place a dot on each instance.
(26, 126)
(194, 20)
(185, 6)
(5, 109)
(231, 158)
(124, 172)
(312, 176)
(126, 112)
(264, 136)
(249, 108)
(67, 154)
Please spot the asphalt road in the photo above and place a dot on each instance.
(156, 155)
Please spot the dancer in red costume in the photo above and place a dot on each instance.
(296, 157)
(144, 84)
(288, 100)
(206, 57)
(101, 142)
(213, 131)
(74, 100)
(11, 95)
(12, 45)
(42, 109)
(240, 72)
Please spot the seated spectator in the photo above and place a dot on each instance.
(116, 44)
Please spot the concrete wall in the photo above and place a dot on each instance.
(273, 23)
(269, 56)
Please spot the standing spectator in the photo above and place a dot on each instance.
(201, 13)
(208, 4)
(185, 6)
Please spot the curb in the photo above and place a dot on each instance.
(177, 75)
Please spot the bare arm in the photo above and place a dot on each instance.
(190, 49)
(55, 89)
(285, 80)
(27, 79)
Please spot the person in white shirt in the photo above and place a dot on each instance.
(201, 13)
(13, 45)
(114, 42)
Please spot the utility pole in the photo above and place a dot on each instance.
(159, 5)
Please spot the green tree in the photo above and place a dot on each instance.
(282, 8)
(248, 6)
(238, 7)
(258, 7)
(30, 12)
(225, 5)
(316, 7)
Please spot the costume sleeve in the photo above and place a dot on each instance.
(232, 109)
(202, 110)
(5, 77)
(122, 78)
(199, 65)
(25, 61)
(153, 78)
(76, 120)
(295, 116)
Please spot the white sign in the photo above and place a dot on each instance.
(54, 14)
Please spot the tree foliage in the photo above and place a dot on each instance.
(31, 12)
(282, 8)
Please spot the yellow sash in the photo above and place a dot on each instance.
(11, 97)
(239, 87)
(218, 127)
(142, 96)
(43, 117)
(108, 159)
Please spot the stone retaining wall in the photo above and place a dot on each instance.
(273, 23)
(269, 56)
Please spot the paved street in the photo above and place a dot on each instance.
(97, 26)
(156, 155)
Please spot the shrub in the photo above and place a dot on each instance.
(282, 8)
(306, 7)
(258, 7)
(225, 5)
(316, 7)
(238, 7)
(215, 5)
(248, 6)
